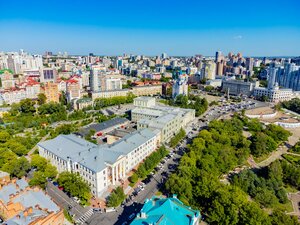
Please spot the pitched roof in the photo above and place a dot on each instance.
(95, 157)
(166, 211)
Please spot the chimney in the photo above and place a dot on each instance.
(18, 216)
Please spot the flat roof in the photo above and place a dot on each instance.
(103, 126)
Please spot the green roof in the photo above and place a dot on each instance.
(166, 211)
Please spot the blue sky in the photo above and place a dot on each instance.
(255, 28)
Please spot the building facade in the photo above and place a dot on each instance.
(100, 165)
(51, 92)
(169, 120)
(238, 87)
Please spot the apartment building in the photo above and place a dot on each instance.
(20, 204)
(51, 92)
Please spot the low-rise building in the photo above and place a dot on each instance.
(104, 127)
(147, 90)
(169, 120)
(159, 210)
(239, 87)
(82, 103)
(109, 94)
(100, 165)
(274, 94)
(20, 204)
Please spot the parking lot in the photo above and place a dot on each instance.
(145, 189)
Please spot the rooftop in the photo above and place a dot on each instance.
(24, 198)
(104, 125)
(95, 157)
(166, 211)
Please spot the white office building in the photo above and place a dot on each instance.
(169, 120)
(100, 166)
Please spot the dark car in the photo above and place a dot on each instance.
(55, 183)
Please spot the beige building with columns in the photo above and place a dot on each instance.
(100, 166)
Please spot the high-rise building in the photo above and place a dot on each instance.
(272, 77)
(95, 84)
(220, 68)
(164, 55)
(219, 56)
(249, 64)
(208, 70)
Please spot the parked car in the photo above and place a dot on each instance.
(55, 183)
(131, 216)
(111, 209)
(97, 210)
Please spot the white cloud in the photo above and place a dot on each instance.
(238, 37)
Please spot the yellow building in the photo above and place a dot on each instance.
(51, 91)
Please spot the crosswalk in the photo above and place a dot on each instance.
(85, 217)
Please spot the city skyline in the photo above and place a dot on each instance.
(106, 28)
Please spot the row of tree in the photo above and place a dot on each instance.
(44, 171)
(148, 165)
(177, 138)
(118, 100)
(196, 182)
(116, 197)
(293, 105)
(195, 102)
(75, 186)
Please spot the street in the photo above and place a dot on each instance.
(120, 216)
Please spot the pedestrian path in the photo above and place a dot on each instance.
(85, 217)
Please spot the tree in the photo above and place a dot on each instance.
(116, 197)
(133, 178)
(27, 106)
(39, 162)
(50, 171)
(16, 147)
(209, 88)
(265, 197)
(4, 136)
(38, 179)
(17, 168)
(281, 218)
(278, 133)
(262, 144)
(41, 98)
(75, 185)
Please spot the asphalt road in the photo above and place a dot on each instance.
(134, 206)
(65, 202)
